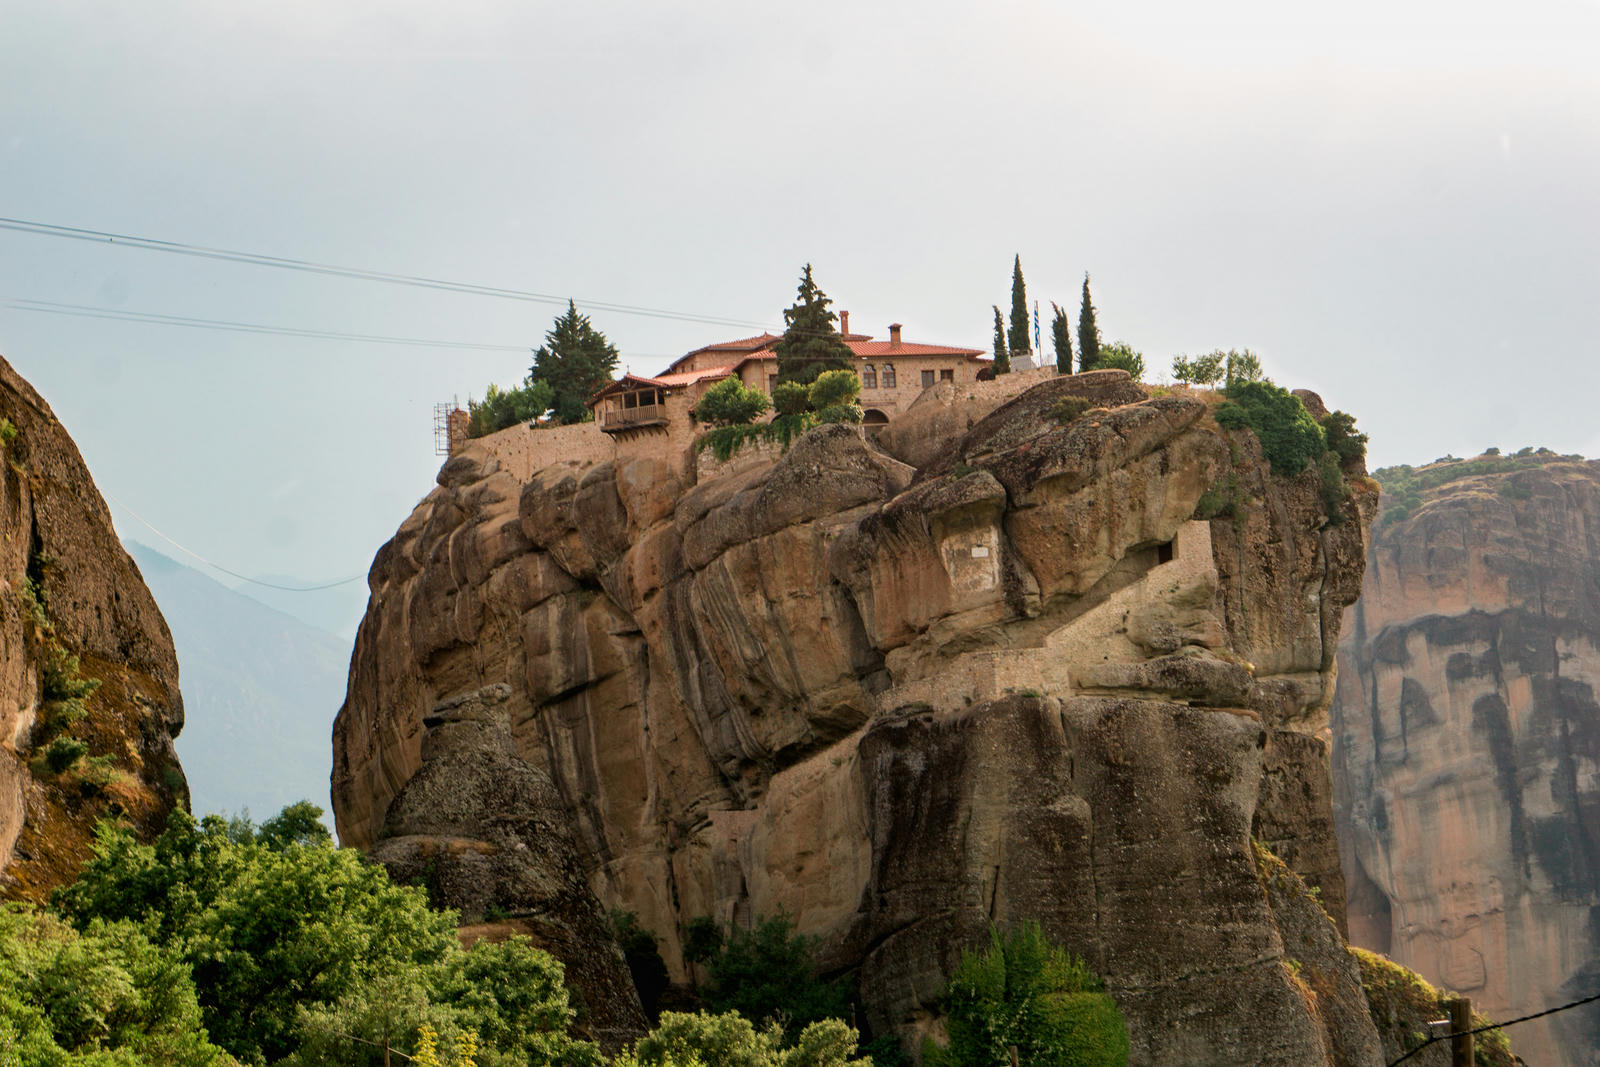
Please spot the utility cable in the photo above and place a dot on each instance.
(181, 248)
(225, 570)
(154, 318)
(1495, 1026)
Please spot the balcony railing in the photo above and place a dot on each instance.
(627, 418)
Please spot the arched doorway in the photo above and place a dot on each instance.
(873, 420)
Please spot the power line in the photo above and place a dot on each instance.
(1495, 1026)
(154, 318)
(258, 259)
(220, 567)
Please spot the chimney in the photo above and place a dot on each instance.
(894, 335)
(844, 324)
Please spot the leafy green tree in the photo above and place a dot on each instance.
(1061, 337)
(105, 997)
(834, 396)
(731, 403)
(574, 361)
(1088, 332)
(730, 1040)
(1023, 991)
(1204, 370)
(1017, 338)
(770, 972)
(503, 408)
(1345, 441)
(1290, 438)
(791, 398)
(1121, 356)
(1243, 366)
(810, 344)
(1002, 355)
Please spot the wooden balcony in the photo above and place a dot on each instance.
(616, 420)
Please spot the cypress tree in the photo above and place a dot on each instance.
(1061, 337)
(1002, 358)
(1018, 338)
(810, 344)
(1088, 332)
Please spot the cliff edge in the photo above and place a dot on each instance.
(1019, 660)
(89, 700)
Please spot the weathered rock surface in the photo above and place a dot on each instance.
(997, 672)
(1467, 748)
(58, 550)
(487, 834)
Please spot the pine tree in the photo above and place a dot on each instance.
(1088, 332)
(1061, 337)
(1002, 358)
(575, 360)
(1018, 338)
(810, 344)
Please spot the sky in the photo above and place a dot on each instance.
(1393, 204)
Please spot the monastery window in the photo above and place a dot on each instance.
(869, 377)
(927, 379)
(772, 382)
(947, 376)
(888, 375)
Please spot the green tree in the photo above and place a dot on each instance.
(1121, 356)
(770, 972)
(503, 408)
(791, 398)
(810, 344)
(833, 396)
(1204, 370)
(1088, 332)
(730, 1040)
(1026, 992)
(1243, 366)
(731, 403)
(574, 361)
(1002, 355)
(1061, 337)
(1017, 338)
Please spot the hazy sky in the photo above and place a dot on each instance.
(1391, 203)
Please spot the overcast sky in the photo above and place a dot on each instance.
(1394, 204)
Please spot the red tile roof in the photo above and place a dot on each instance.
(888, 349)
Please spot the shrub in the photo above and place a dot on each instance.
(1290, 437)
(1026, 992)
(1122, 357)
(840, 413)
(63, 752)
(1339, 430)
(770, 972)
(791, 398)
(1331, 486)
(835, 388)
(502, 408)
(729, 1040)
(1069, 409)
(731, 403)
(8, 431)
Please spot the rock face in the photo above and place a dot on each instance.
(1467, 747)
(487, 833)
(70, 590)
(997, 672)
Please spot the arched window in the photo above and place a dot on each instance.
(888, 375)
(869, 377)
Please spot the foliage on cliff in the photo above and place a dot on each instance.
(503, 408)
(1404, 485)
(810, 344)
(575, 360)
(1402, 1004)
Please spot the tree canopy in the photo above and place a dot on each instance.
(1061, 337)
(1088, 332)
(503, 408)
(574, 361)
(731, 403)
(1017, 337)
(810, 344)
(1002, 352)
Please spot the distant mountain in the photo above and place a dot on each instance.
(260, 689)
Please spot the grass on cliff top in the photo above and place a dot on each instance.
(1404, 485)
(1402, 1002)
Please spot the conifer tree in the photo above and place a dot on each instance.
(1088, 332)
(1018, 339)
(1002, 357)
(575, 360)
(810, 344)
(1061, 337)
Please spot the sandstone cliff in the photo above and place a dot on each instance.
(1467, 744)
(70, 591)
(996, 669)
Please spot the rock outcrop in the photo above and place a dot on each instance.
(995, 670)
(1467, 744)
(73, 610)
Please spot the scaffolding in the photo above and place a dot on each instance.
(449, 427)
